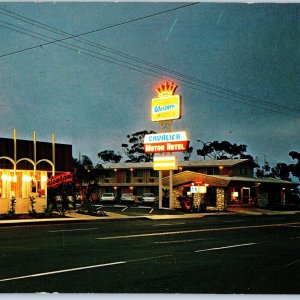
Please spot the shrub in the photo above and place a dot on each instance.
(32, 212)
(12, 210)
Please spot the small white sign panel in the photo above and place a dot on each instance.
(194, 189)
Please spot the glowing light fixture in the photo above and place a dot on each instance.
(235, 194)
(26, 178)
(4, 177)
(202, 189)
(44, 178)
(166, 89)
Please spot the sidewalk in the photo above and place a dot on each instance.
(259, 211)
(72, 217)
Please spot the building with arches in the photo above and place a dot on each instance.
(26, 166)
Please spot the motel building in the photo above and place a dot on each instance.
(220, 183)
(26, 170)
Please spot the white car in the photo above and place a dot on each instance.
(128, 197)
(108, 197)
(149, 198)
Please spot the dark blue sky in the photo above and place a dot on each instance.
(251, 49)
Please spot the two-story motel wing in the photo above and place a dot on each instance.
(228, 182)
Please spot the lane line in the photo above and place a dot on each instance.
(70, 230)
(167, 224)
(292, 263)
(182, 241)
(82, 268)
(233, 221)
(294, 238)
(226, 247)
(63, 271)
(193, 231)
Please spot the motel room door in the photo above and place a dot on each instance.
(245, 196)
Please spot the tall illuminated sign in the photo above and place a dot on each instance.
(165, 109)
(167, 106)
(166, 142)
(165, 163)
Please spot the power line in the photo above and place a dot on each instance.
(152, 73)
(110, 50)
(213, 89)
(100, 29)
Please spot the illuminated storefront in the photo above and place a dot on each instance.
(26, 166)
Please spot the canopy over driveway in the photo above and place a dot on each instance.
(224, 181)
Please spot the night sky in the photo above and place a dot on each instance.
(241, 66)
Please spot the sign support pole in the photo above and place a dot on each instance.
(165, 126)
(171, 190)
(160, 189)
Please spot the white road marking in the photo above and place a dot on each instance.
(233, 221)
(63, 271)
(182, 241)
(82, 268)
(151, 211)
(288, 265)
(167, 224)
(226, 247)
(193, 231)
(124, 208)
(120, 206)
(292, 263)
(293, 238)
(70, 230)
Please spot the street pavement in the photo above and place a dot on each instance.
(118, 213)
(208, 254)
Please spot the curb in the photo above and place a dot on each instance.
(65, 220)
(83, 218)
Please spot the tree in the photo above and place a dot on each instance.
(187, 154)
(281, 171)
(109, 156)
(135, 152)
(223, 150)
(261, 171)
(85, 171)
(295, 168)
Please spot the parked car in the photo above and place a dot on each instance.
(108, 197)
(149, 198)
(128, 197)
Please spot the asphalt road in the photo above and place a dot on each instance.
(214, 254)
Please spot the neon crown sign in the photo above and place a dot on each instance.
(166, 89)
